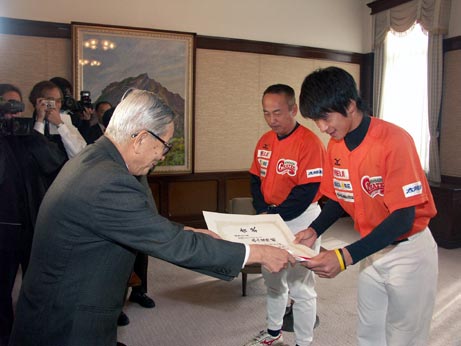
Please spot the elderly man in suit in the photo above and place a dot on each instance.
(94, 219)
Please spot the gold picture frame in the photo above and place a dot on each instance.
(108, 60)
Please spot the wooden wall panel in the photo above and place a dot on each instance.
(237, 188)
(155, 188)
(192, 197)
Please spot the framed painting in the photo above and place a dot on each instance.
(109, 60)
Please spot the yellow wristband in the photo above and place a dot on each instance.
(340, 259)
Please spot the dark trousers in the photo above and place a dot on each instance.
(10, 258)
(140, 268)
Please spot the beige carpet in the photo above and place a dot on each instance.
(193, 309)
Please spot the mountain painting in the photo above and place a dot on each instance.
(110, 60)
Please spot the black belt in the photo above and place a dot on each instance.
(399, 241)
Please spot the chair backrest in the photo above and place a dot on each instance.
(241, 205)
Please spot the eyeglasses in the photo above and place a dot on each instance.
(166, 146)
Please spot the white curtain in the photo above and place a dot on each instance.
(404, 86)
(433, 15)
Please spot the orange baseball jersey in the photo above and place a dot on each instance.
(381, 175)
(283, 164)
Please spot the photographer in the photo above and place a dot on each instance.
(46, 97)
(69, 105)
(81, 112)
(93, 129)
(28, 164)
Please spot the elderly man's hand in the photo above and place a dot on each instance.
(272, 258)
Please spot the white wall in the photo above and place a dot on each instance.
(331, 24)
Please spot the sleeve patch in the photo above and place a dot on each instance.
(413, 189)
(316, 172)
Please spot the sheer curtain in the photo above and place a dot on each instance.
(404, 86)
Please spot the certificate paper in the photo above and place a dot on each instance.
(263, 229)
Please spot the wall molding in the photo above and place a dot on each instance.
(383, 5)
(451, 180)
(452, 43)
(24, 27)
(270, 48)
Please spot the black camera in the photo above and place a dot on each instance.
(85, 99)
(14, 126)
(68, 103)
(77, 107)
(10, 107)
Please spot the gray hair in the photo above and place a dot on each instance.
(139, 110)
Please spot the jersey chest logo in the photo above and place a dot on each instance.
(373, 186)
(265, 154)
(285, 166)
(341, 173)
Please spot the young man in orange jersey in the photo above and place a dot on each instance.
(372, 171)
(285, 177)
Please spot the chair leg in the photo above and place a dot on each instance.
(244, 284)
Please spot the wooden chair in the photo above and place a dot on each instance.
(134, 280)
(244, 205)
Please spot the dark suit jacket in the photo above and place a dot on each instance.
(93, 219)
(90, 133)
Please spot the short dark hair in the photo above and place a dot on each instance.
(39, 89)
(4, 88)
(102, 103)
(63, 84)
(282, 89)
(328, 90)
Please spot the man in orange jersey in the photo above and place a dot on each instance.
(372, 171)
(285, 177)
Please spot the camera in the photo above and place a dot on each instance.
(14, 126)
(50, 104)
(77, 107)
(85, 99)
(10, 107)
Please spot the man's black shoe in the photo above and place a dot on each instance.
(142, 299)
(123, 320)
(120, 344)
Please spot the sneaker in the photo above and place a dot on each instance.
(264, 338)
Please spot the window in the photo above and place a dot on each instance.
(404, 89)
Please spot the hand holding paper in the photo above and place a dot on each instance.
(263, 229)
(306, 237)
(272, 258)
